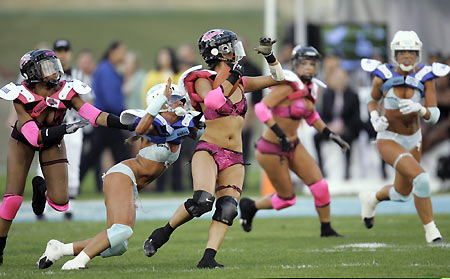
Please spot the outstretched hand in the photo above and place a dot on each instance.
(342, 143)
(73, 127)
(265, 46)
(168, 89)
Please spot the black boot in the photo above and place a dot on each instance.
(2, 247)
(326, 230)
(208, 260)
(248, 211)
(38, 201)
(157, 239)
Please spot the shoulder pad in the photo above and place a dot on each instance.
(181, 85)
(164, 123)
(369, 65)
(319, 82)
(130, 115)
(80, 87)
(440, 69)
(292, 77)
(9, 92)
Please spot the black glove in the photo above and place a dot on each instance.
(197, 121)
(286, 145)
(73, 127)
(337, 139)
(265, 46)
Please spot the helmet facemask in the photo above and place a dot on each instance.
(37, 65)
(300, 54)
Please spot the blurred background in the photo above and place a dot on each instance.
(161, 40)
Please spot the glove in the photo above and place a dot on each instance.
(409, 106)
(265, 46)
(198, 122)
(286, 145)
(73, 127)
(342, 143)
(379, 123)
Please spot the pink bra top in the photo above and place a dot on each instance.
(227, 109)
(297, 110)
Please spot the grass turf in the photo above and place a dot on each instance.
(284, 247)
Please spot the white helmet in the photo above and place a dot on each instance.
(406, 40)
(175, 97)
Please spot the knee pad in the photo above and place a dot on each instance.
(117, 250)
(421, 185)
(320, 192)
(395, 196)
(117, 234)
(58, 207)
(10, 205)
(200, 203)
(279, 203)
(226, 210)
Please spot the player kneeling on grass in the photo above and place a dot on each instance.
(161, 129)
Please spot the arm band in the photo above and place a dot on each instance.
(214, 99)
(371, 99)
(312, 118)
(326, 132)
(277, 130)
(262, 112)
(89, 112)
(113, 121)
(277, 72)
(434, 115)
(31, 132)
(53, 135)
(156, 104)
(270, 58)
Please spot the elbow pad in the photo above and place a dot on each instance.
(262, 112)
(31, 132)
(214, 99)
(371, 99)
(434, 115)
(89, 112)
(312, 118)
(277, 72)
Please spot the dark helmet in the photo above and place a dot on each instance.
(304, 52)
(219, 41)
(38, 64)
(300, 53)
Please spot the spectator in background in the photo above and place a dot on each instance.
(187, 57)
(107, 85)
(340, 111)
(134, 78)
(433, 135)
(166, 66)
(86, 65)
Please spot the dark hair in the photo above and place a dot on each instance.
(111, 47)
(173, 60)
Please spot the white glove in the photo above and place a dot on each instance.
(408, 106)
(379, 123)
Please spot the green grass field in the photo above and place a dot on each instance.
(275, 248)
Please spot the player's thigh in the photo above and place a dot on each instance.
(231, 176)
(406, 165)
(277, 170)
(19, 161)
(304, 166)
(119, 199)
(204, 171)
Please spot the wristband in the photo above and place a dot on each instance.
(53, 135)
(326, 132)
(156, 104)
(113, 121)
(270, 58)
